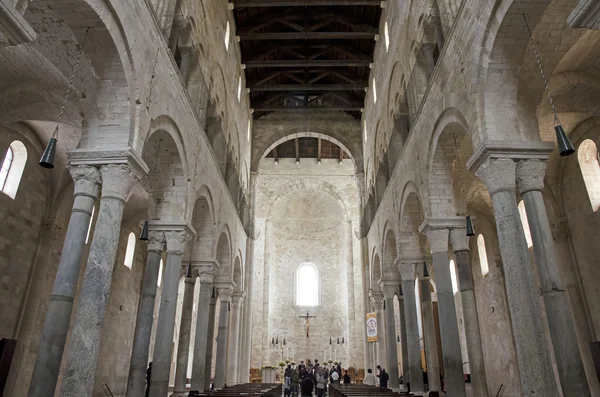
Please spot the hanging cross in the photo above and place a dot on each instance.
(306, 318)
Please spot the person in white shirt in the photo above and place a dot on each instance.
(370, 378)
(335, 377)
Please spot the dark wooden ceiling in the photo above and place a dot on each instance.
(309, 55)
(307, 147)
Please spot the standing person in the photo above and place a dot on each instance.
(347, 378)
(148, 377)
(383, 379)
(320, 378)
(295, 382)
(370, 378)
(335, 377)
(287, 386)
(339, 368)
(307, 387)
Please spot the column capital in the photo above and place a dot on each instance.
(206, 273)
(225, 292)
(438, 240)
(237, 300)
(459, 239)
(87, 180)
(156, 241)
(377, 299)
(389, 288)
(117, 181)
(530, 175)
(437, 231)
(176, 241)
(128, 157)
(407, 271)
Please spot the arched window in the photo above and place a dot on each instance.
(386, 34)
(365, 129)
(12, 168)
(160, 270)
(587, 154)
(525, 223)
(453, 277)
(130, 250)
(483, 260)
(239, 91)
(87, 237)
(227, 33)
(249, 128)
(374, 90)
(307, 285)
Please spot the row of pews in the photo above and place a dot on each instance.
(359, 390)
(245, 390)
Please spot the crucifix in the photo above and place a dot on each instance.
(306, 318)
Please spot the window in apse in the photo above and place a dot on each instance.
(160, 270)
(525, 223)
(130, 251)
(587, 154)
(374, 91)
(365, 129)
(87, 237)
(483, 260)
(239, 91)
(307, 285)
(12, 168)
(453, 277)
(227, 33)
(386, 34)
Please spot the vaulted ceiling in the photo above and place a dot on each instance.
(306, 56)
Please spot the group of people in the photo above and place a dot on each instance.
(304, 380)
(383, 376)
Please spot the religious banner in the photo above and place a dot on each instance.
(372, 327)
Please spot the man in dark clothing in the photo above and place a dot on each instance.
(339, 369)
(383, 379)
(148, 376)
(307, 386)
(347, 378)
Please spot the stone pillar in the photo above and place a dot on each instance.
(206, 278)
(80, 372)
(136, 383)
(389, 290)
(460, 246)
(185, 330)
(533, 354)
(368, 362)
(430, 343)
(378, 302)
(54, 334)
(403, 339)
(163, 345)
(451, 352)
(351, 342)
(222, 337)
(237, 303)
(530, 182)
(413, 344)
(210, 338)
(246, 346)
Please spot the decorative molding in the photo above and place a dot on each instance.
(168, 226)
(513, 150)
(101, 157)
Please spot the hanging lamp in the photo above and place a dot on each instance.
(565, 147)
(144, 234)
(47, 160)
(188, 274)
(425, 271)
(470, 229)
(330, 341)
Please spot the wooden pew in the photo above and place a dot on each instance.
(351, 390)
(246, 390)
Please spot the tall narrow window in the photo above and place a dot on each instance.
(227, 33)
(160, 270)
(130, 250)
(307, 285)
(365, 129)
(453, 276)
(483, 260)
(525, 223)
(239, 91)
(12, 168)
(87, 236)
(386, 34)
(374, 91)
(249, 129)
(587, 154)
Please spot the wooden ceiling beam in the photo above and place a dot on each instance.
(292, 63)
(308, 87)
(346, 108)
(307, 36)
(303, 3)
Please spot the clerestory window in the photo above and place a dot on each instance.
(307, 285)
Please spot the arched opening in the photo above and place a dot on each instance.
(376, 273)
(12, 168)
(89, 231)
(227, 34)
(390, 254)
(224, 256)
(204, 227)
(160, 272)
(130, 251)
(525, 223)
(483, 259)
(386, 35)
(307, 285)
(587, 154)
(453, 278)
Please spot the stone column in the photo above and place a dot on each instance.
(185, 330)
(533, 354)
(210, 339)
(54, 334)
(403, 339)
(78, 380)
(413, 344)
(237, 303)
(530, 182)
(206, 278)
(350, 287)
(136, 383)
(163, 345)
(222, 337)
(246, 347)
(430, 343)
(389, 290)
(451, 352)
(378, 302)
(460, 246)
(364, 265)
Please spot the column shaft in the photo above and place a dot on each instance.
(233, 340)
(560, 320)
(136, 383)
(380, 345)
(201, 338)
(246, 346)
(413, 344)
(403, 339)
(163, 344)
(392, 348)
(210, 340)
(78, 380)
(185, 330)
(222, 337)
(58, 314)
(433, 361)
(451, 353)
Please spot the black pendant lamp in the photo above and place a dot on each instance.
(343, 340)
(470, 230)
(47, 160)
(398, 337)
(272, 341)
(565, 147)
(188, 274)
(214, 293)
(284, 341)
(144, 234)
(338, 341)
(425, 271)
(330, 341)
